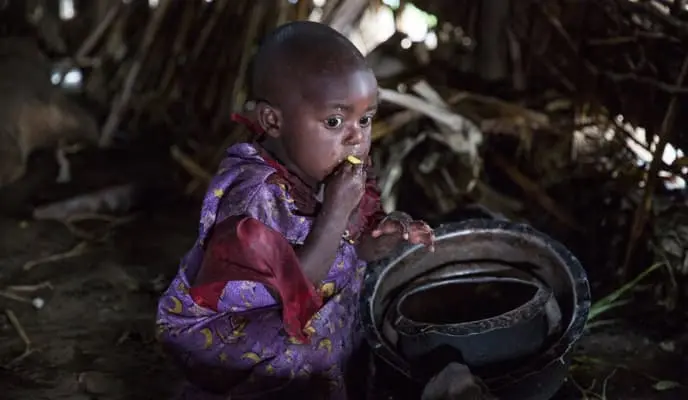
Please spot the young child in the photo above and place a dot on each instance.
(265, 303)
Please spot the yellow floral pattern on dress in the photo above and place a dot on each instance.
(326, 290)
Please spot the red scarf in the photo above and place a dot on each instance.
(244, 249)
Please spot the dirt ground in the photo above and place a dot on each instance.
(94, 337)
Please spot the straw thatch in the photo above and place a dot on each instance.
(530, 108)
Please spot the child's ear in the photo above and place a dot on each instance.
(269, 119)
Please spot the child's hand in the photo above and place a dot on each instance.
(345, 187)
(401, 226)
(393, 229)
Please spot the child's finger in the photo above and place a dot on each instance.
(420, 226)
(382, 229)
(398, 222)
(389, 227)
(431, 242)
(426, 238)
(422, 233)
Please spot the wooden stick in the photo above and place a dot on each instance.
(13, 296)
(177, 49)
(439, 114)
(190, 165)
(92, 39)
(208, 28)
(22, 334)
(536, 192)
(641, 213)
(217, 157)
(346, 15)
(30, 288)
(120, 104)
(329, 9)
(302, 10)
(249, 39)
(76, 251)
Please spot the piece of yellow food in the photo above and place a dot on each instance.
(354, 160)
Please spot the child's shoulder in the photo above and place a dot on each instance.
(247, 185)
(242, 160)
(244, 175)
(242, 166)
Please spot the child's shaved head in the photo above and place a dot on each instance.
(315, 98)
(297, 53)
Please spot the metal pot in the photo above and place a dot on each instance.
(485, 241)
(491, 321)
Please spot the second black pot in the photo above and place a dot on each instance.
(491, 322)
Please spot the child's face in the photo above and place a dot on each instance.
(329, 120)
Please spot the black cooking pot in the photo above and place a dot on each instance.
(485, 243)
(475, 270)
(491, 321)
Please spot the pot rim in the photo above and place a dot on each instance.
(522, 312)
(557, 352)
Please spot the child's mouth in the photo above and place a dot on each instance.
(351, 159)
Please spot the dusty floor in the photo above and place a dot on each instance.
(93, 339)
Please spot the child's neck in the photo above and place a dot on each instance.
(275, 148)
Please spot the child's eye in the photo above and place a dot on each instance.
(366, 121)
(334, 122)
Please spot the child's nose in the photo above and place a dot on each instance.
(355, 136)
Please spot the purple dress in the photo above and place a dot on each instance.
(240, 348)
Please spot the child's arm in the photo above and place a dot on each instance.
(318, 252)
(342, 193)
